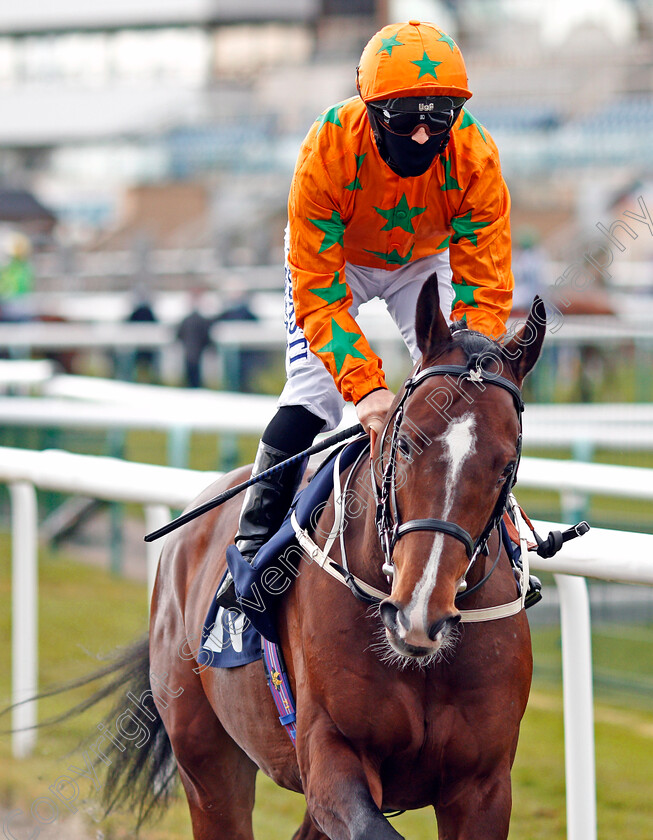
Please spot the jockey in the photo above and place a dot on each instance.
(390, 186)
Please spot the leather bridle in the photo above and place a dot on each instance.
(388, 522)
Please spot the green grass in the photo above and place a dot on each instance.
(84, 612)
(622, 658)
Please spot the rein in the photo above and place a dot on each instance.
(389, 527)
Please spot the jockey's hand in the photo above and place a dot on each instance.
(373, 408)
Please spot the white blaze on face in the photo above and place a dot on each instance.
(458, 443)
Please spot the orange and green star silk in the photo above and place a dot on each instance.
(427, 66)
(333, 293)
(450, 182)
(468, 120)
(388, 44)
(346, 206)
(464, 292)
(333, 230)
(411, 59)
(341, 345)
(392, 257)
(329, 116)
(465, 226)
(401, 215)
(356, 183)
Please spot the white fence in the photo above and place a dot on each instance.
(602, 554)
(79, 402)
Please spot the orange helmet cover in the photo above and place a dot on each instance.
(411, 59)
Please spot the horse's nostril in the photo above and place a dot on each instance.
(389, 614)
(403, 619)
(435, 628)
(443, 625)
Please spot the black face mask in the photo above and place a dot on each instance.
(403, 155)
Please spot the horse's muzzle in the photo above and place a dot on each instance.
(415, 641)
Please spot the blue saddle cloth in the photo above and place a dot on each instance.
(228, 642)
(228, 639)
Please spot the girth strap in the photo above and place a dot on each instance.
(449, 528)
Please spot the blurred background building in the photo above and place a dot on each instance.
(161, 136)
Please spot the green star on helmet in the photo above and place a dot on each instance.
(464, 293)
(465, 228)
(401, 215)
(333, 229)
(341, 345)
(330, 116)
(388, 44)
(447, 40)
(426, 66)
(336, 291)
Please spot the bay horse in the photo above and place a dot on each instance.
(373, 733)
(399, 706)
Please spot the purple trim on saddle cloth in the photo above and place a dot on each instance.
(280, 688)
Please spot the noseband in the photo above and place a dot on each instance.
(389, 526)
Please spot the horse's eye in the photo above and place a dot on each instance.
(507, 472)
(404, 447)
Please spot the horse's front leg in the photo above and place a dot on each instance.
(342, 790)
(479, 810)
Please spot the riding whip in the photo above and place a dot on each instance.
(352, 431)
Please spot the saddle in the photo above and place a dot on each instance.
(260, 586)
(230, 640)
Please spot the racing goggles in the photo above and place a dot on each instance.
(405, 115)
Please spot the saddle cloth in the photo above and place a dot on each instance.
(228, 641)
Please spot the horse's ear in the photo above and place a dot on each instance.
(431, 329)
(524, 349)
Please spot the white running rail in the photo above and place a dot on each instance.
(603, 554)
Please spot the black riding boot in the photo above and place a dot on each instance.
(266, 504)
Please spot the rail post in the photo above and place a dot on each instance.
(575, 505)
(578, 706)
(24, 618)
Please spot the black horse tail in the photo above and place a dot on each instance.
(140, 777)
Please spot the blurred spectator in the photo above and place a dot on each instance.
(237, 309)
(16, 280)
(529, 268)
(194, 333)
(242, 365)
(145, 360)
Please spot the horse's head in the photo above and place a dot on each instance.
(450, 451)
